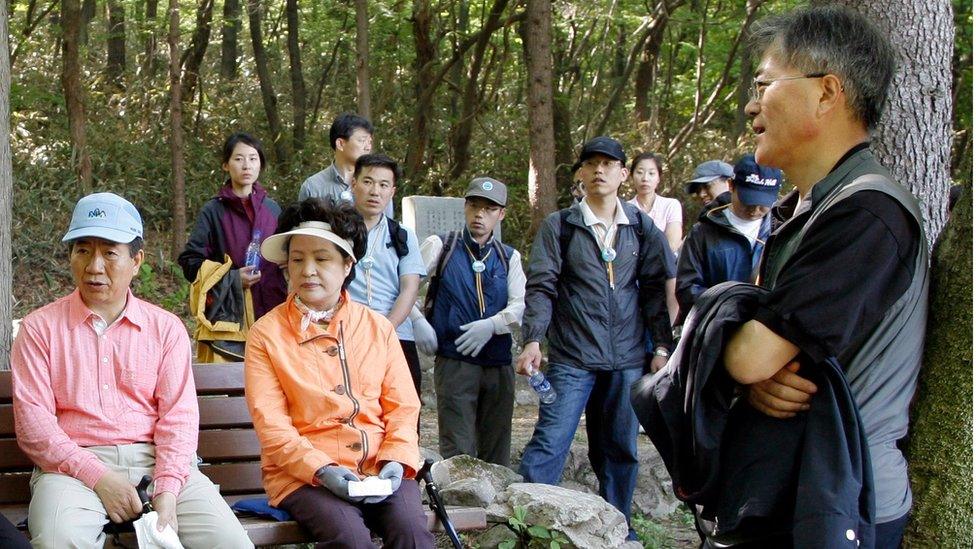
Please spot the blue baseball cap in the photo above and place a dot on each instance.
(607, 146)
(706, 172)
(107, 216)
(756, 185)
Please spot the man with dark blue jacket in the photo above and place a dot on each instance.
(727, 242)
(474, 302)
(596, 279)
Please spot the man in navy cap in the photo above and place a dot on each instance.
(728, 239)
(710, 180)
(595, 280)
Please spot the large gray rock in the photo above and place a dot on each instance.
(653, 496)
(469, 492)
(460, 467)
(586, 520)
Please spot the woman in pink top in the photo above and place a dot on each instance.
(645, 173)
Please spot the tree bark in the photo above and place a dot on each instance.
(149, 64)
(193, 57)
(228, 39)
(297, 79)
(470, 105)
(362, 59)
(73, 93)
(88, 9)
(115, 46)
(913, 139)
(646, 76)
(268, 96)
(425, 57)
(6, 195)
(941, 441)
(536, 36)
(177, 178)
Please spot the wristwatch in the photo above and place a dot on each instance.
(662, 352)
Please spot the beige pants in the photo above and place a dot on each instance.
(64, 513)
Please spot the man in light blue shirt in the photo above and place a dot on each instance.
(388, 275)
(350, 136)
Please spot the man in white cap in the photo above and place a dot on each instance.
(475, 299)
(103, 394)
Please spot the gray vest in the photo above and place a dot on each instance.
(882, 368)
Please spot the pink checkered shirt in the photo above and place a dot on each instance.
(75, 388)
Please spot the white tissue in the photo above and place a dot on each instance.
(371, 486)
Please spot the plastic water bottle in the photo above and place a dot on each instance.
(253, 255)
(541, 386)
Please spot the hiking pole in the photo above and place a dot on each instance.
(437, 504)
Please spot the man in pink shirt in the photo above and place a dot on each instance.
(104, 394)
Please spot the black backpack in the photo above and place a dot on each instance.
(398, 237)
(450, 241)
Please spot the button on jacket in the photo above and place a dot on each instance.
(337, 395)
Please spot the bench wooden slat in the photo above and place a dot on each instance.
(14, 488)
(234, 445)
(6, 387)
(222, 413)
(11, 458)
(236, 478)
(219, 379)
(6, 420)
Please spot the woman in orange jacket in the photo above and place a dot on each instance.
(330, 392)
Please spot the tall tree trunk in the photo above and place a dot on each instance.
(88, 9)
(745, 81)
(297, 79)
(149, 46)
(536, 36)
(913, 141)
(461, 136)
(6, 195)
(73, 93)
(362, 59)
(425, 56)
(268, 96)
(115, 45)
(176, 133)
(193, 58)
(941, 441)
(228, 39)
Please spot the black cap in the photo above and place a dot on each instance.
(604, 145)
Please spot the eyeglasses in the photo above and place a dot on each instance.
(759, 86)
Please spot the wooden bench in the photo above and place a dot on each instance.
(228, 446)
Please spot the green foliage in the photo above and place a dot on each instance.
(530, 536)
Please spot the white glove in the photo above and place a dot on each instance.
(475, 335)
(424, 336)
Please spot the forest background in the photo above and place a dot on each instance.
(446, 83)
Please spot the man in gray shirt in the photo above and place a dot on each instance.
(350, 136)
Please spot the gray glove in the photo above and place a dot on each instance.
(336, 479)
(475, 335)
(393, 471)
(425, 336)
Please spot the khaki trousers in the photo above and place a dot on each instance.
(64, 513)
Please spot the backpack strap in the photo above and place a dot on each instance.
(398, 238)
(565, 234)
(450, 242)
(504, 253)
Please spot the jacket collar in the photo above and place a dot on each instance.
(314, 331)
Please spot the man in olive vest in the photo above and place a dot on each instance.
(847, 265)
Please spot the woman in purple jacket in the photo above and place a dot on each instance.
(226, 224)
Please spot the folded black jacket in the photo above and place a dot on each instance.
(809, 476)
